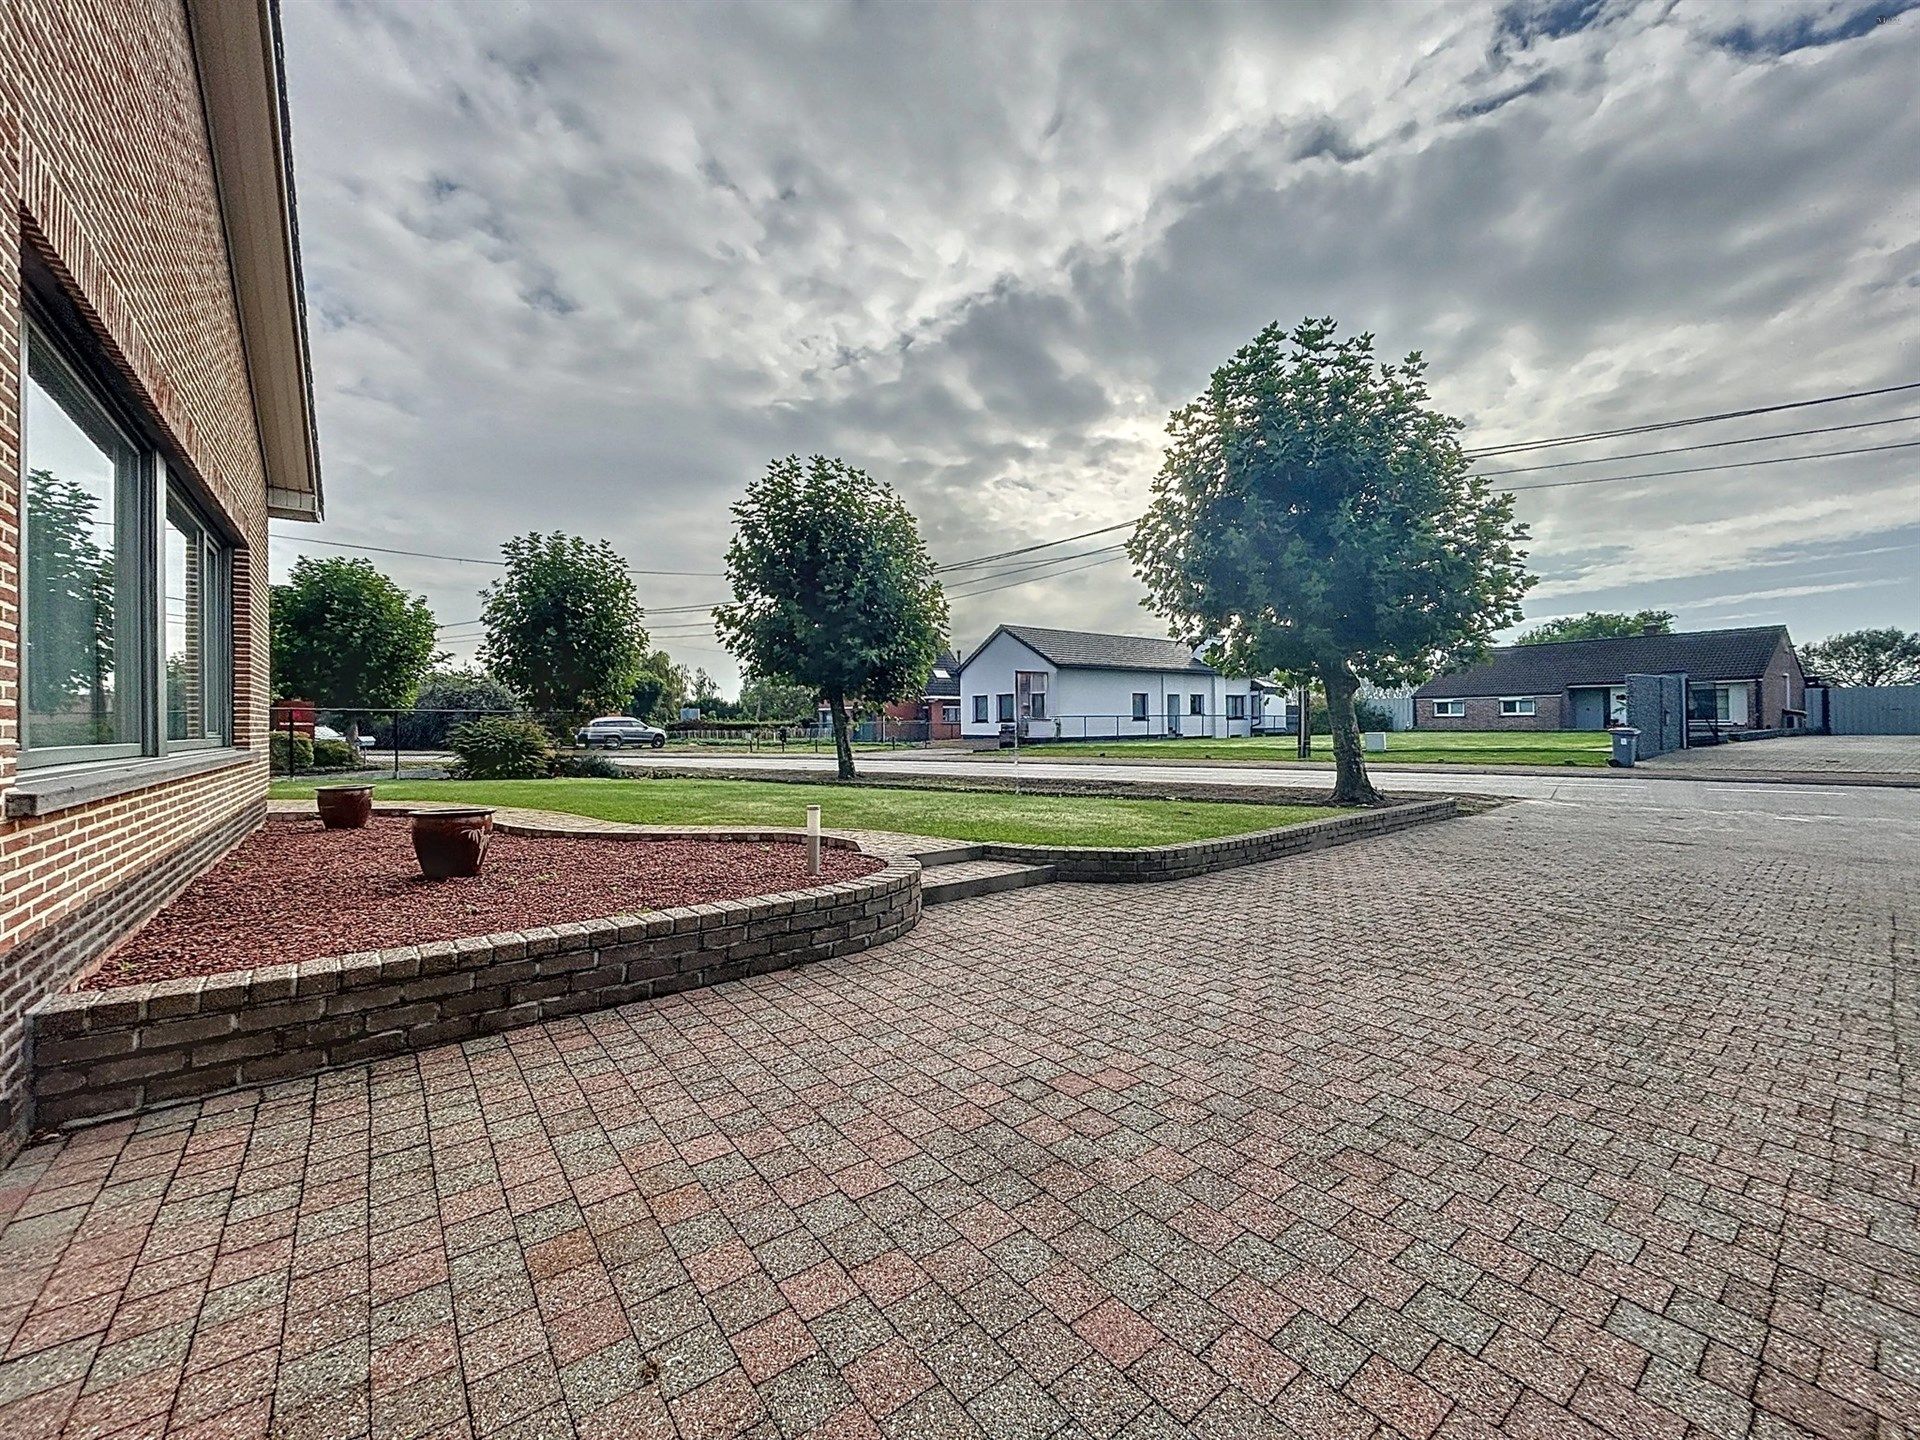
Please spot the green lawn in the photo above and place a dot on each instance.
(955, 814)
(1407, 747)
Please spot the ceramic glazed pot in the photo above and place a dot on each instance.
(345, 807)
(451, 843)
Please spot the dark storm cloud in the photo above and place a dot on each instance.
(591, 266)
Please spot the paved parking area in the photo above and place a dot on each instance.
(1559, 1121)
(1888, 755)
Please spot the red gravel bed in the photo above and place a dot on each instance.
(292, 891)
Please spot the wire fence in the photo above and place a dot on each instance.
(322, 739)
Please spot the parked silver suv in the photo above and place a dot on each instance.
(614, 731)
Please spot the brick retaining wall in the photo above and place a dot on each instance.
(1124, 865)
(104, 1052)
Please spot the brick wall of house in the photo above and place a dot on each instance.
(1483, 713)
(107, 180)
(1783, 687)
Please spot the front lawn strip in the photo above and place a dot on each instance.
(1404, 747)
(980, 815)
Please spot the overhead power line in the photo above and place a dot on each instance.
(1557, 440)
(466, 559)
(1704, 445)
(1703, 469)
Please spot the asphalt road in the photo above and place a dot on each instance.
(1796, 802)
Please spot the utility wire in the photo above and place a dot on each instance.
(1725, 465)
(1707, 445)
(467, 559)
(1557, 440)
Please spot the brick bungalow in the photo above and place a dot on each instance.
(155, 410)
(938, 707)
(1747, 679)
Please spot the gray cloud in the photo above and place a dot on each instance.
(590, 266)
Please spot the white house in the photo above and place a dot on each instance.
(1074, 685)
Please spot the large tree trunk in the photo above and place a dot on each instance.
(842, 736)
(1350, 783)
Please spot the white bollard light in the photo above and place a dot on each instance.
(813, 839)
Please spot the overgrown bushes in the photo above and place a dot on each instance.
(310, 754)
(499, 747)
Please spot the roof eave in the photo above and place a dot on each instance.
(236, 46)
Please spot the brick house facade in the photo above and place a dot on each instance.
(1744, 679)
(152, 343)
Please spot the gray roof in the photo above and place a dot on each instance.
(947, 687)
(1547, 669)
(1085, 650)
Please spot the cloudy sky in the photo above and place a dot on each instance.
(588, 266)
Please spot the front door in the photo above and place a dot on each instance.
(1173, 714)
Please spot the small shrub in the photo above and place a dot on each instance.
(586, 767)
(302, 749)
(334, 755)
(499, 748)
(1366, 714)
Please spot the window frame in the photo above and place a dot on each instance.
(216, 624)
(1449, 709)
(1236, 707)
(980, 703)
(159, 488)
(1003, 707)
(1523, 706)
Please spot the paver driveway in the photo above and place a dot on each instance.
(1557, 1121)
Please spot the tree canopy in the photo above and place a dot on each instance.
(1316, 516)
(1598, 625)
(1867, 657)
(660, 690)
(564, 625)
(833, 588)
(348, 638)
(767, 698)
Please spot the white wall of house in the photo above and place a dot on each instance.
(1097, 704)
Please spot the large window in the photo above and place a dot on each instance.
(127, 619)
(979, 709)
(1516, 705)
(1236, 707)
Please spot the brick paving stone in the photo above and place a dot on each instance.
(1570, 1122)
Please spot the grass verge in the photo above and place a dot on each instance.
(1404, 747)
(951, 814)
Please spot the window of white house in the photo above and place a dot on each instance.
(1006, 707)
(979, 709)
(127, 616)
(1516, 705)
(1444, 708)
(1139, 704)
(1196, 704)
(1236, 707)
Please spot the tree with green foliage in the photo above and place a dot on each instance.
(446, 698)
(1315, 516)
(660, 691)
(1598, 625)
(833, 589)
(349, 639)
(766, 698)
(703, 693)
(563, 626)
(70, 595)
(1866, 657)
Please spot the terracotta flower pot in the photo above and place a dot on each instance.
(451, 843)
(345, 807)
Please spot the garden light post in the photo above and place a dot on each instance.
(813, 839)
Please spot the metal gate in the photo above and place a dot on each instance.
(1873, 709)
